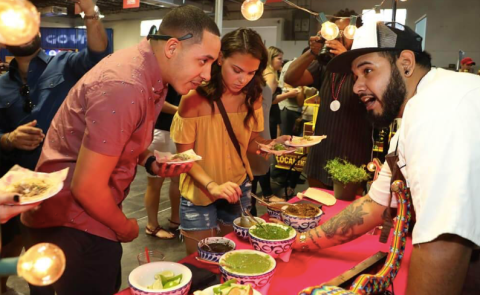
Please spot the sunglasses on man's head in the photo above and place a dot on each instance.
(166, 37)
(28, 104)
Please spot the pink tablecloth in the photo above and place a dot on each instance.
(313, 268)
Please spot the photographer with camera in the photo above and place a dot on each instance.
(340, 116)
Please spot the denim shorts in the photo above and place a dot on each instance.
(193, 217)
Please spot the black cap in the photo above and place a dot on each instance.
(376, 37)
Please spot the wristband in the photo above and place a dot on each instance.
(8, 140)
(303, 242)
(206, 186)
(311, 52)
(148, 165)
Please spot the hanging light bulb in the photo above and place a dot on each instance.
(42, 265)
(351, 29)
(329, 30)
(252, 9)
(19, 22)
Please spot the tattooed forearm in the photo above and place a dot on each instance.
(341, 226)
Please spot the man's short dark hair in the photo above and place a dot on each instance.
(347, 13)
(423, 59)
(186, 19)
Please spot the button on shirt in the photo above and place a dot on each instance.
(50, 78)
(439, 156)
(111, 111)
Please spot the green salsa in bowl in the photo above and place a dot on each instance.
(248, 266)
(276, 240)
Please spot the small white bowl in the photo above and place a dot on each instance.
(272, 247)
(276, 213)
(256, 280)
(302, 224)
(213, 256)
(242, 232)
(144, 275)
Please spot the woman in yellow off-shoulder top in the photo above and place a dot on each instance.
(212, 189)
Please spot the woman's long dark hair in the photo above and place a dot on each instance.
(244, 41)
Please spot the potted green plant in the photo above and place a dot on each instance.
(346, 177)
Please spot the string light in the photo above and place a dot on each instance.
(252, 9)
(351, 29)
(329, 30)
(19, 22)
(42, 265)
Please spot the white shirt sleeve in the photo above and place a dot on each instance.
(441, 148)
(380, 189)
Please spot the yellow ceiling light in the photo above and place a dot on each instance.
(252, 9)
(42, 265)
(19, 22)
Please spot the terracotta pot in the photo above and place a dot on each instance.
(345, 192)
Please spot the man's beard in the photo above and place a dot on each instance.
(26, 50)
(393, 99)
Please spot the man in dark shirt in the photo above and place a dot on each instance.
(348, 130)
(30, 95)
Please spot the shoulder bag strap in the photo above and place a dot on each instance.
(231, 134)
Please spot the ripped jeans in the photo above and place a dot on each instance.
(196, 218)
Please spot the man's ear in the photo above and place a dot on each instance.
(406, 61)
(171, 47)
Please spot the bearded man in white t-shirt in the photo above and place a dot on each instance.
(438, 150)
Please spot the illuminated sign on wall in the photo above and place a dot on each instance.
(65, 39)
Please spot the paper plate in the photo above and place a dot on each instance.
(162, 157)
(54, 183)
(320, 196)
(300, 142)
(267, 148)
(209, 290)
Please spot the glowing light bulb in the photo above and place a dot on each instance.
(329, 30)
(350, 31)
(42, 265)
(371, 167)
(19, 22)
(252, 9)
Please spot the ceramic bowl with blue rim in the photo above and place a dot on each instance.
(144, 276)
(302, 223)
(254, 267)
(242, 232)
(275, 210)
(272, 246)
(218, 246)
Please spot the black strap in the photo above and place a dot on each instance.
(228, 125)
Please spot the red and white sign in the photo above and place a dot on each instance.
(131, 4)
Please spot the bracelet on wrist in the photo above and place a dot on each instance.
(311, 52)
(8, 140)
(148, 165)
(206, 186)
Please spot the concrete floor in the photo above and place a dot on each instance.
(133, 207)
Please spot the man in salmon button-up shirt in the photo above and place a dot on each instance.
(101, 132)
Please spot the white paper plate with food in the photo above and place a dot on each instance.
(305, 141)
(32, 187)
(229, 287)
(169, 158)
(276, 148)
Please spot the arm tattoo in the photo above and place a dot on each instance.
(313, 240)
(341, 226)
